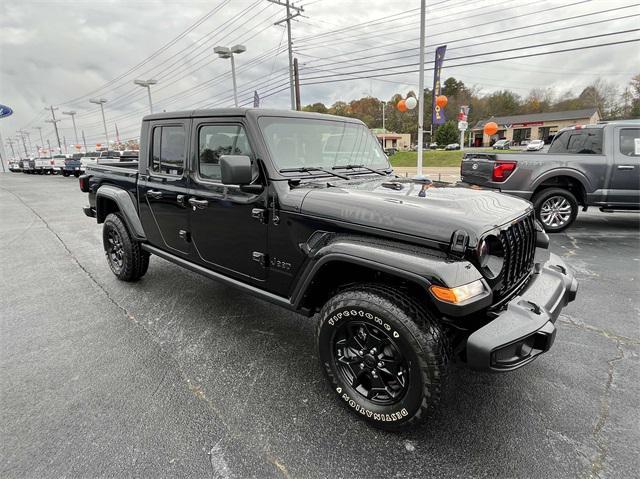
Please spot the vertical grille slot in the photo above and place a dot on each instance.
(519, 246)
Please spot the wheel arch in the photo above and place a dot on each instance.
(110, 199)
(572, 180)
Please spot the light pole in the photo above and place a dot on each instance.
(101, 102)
(224, 52)
(147, 84)
(72, 113)
(423, 8)
(24, 144)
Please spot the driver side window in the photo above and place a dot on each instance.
(215, 141)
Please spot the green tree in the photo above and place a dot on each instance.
(447, 133)
(316, 107)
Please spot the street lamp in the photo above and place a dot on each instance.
(147, 84)
(101, 102)
(72, 113)
(224, 52)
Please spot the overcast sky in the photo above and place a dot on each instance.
(62, 53)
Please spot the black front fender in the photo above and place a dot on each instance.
(418, 265)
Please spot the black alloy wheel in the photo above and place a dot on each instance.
(115, 250)
(370, 360)
(384, 354)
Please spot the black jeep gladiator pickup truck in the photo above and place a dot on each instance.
(303, 210)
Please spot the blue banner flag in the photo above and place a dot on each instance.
(256, 99)
(437, 117)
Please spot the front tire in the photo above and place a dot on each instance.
(384, 355)
(556, 209)
(125, 256)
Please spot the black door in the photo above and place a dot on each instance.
(227, 229)
(163, 188)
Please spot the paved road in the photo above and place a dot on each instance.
(177, 375)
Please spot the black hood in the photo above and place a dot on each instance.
(397, 205)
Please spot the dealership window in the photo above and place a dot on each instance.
(521, 134)
(168, 150)
(630, 141)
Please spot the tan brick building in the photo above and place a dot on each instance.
(399, 141)
(534, 126)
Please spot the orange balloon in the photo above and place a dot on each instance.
(490, 128)
(442, 101)
(402, 106)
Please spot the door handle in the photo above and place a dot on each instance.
(200, 204)
(154, 194)
(625, 167)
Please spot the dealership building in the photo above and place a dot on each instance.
(390, 139)
(533, 126)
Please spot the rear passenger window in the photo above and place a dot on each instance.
(168, 151)
(583, 141)
(630, 141)
(215, 141)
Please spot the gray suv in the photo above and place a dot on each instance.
(592, 165)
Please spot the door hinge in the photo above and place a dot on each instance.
(184, 235)
(259, 214)
(260, 258)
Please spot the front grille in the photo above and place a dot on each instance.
(519, 247)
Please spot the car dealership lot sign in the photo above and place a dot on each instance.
(5, 111)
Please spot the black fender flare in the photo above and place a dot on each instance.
(126, 206)
(570, 172)
(416, 264)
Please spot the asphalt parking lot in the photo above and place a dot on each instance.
(177, 375)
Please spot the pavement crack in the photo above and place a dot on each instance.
(566, 320)
(597, 465)
(73, 257)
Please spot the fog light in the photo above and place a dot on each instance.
(458, 294)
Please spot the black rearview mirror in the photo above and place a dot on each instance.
(235, 169)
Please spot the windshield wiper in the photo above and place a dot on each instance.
(352, 167)
(308, 169)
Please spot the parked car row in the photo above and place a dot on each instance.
(68, 165)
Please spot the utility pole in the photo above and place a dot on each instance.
(24, 144)
(48, 143)
(101, 102)
(72, 113)
(384, 130)
(288, 19)
(39, 128)
(423, 8)
(297, 83)
(55, 124)
(13, 152)
(3, 153)
(28, 135)
(84, 141)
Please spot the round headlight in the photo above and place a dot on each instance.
(490, 256)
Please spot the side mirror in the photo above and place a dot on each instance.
(235, 170)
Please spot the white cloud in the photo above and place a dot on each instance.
(54, 51)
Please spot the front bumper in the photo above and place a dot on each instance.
(525, 328)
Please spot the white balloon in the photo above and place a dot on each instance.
(411, 102)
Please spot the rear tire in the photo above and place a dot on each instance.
(65, 174)
(556, 209)
(125, 256)
(384, 355)
(76, 174)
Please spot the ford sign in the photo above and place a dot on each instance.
(5, 111)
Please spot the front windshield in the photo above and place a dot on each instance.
(311, 143)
